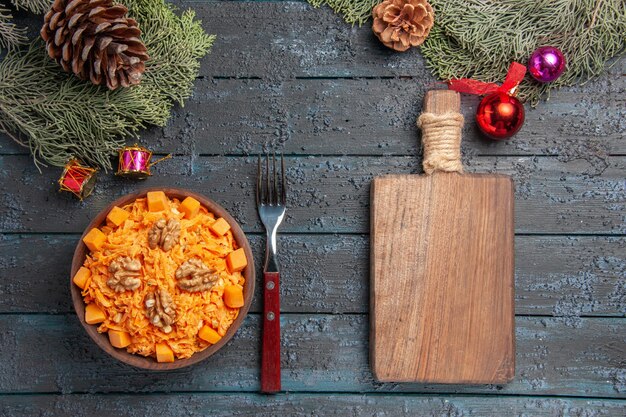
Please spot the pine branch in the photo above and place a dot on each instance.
(35, 6)
(353, 11)
(480, 38)
(60, 116)
(11, 35)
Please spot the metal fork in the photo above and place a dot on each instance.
(271, 202)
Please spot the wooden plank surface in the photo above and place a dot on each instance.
(442, 278)
(582, 276)
(442, 267)
(367, 117)
(321, 353)
(285, 76)
(375, 117)
(230, 405)
(327, 194)
(296, 106)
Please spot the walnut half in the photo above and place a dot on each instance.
(161, 309)
(164, 233)
(125, 274)
(194, 275)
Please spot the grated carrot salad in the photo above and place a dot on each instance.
(126, 311)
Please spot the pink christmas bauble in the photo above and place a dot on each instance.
(546, 64)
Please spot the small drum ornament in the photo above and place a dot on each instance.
(134, 162)
(77, 179)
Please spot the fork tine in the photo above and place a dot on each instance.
(275, 186)
(268, 196)
(259, 184)
(283, 183)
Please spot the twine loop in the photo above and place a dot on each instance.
(441, 139)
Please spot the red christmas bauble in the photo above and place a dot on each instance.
(500, 116)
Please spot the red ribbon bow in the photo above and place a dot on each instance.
(513, 77)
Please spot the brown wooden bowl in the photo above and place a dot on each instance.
(139, 361)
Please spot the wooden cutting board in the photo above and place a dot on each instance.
(442, 274)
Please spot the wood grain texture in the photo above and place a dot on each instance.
(149, 363)
(284, 44)
(370, 117)
(270, 347)
(321, 353)
(238, 405)
(568, 167)
(582, 276)
(442, 273)
(442, 278)
(284, 39)
(327, 194)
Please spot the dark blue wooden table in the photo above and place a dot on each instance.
(342, 108)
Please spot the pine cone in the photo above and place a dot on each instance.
(96, 41)
(400, 24)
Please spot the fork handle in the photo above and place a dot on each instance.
(270, 358)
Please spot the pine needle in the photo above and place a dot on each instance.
(59, 116)
(11, 35)
(35, 6)
(353, 11)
